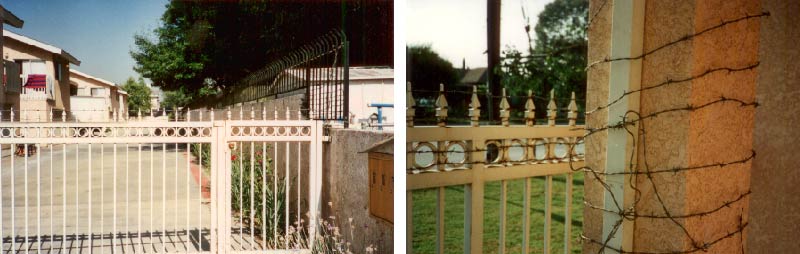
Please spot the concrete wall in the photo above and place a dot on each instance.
(775, 203)
(345, 186)
(89, 109)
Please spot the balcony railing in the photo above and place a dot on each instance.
(37, 93)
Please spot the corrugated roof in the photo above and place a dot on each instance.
(356, 73)
(44, 46)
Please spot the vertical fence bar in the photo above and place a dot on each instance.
(114, 221)
(200, 181)
(275, 193)
(568, 214)
(175, 222)
(52, 207)
(26, 198)
(38, 197)
(214, 167)
(102, 191)
(264, 197)
(476, 230)
(502, 213)
(152, 201)
(409, 223)
(89, 212)
(188, 189)
(139, 214)
(127, 194)
(299, 190)
(526, 216)
(286, 194)
(77, 191)
(252, 189)
(440, 220)
(548, 210)
(164, 194)
(64, 198)
(241, 192)
(13, 195)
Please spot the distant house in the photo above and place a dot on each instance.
(474, 77)
(155, 98)
(37, 77)
(95, 99)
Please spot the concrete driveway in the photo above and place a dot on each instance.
(148, 200)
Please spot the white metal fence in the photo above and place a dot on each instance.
(246, 185)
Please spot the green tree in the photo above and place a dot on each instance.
(176, 99)
(138, 95)
(557, 58)
(426, 70)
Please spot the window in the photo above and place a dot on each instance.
(381, 186)
(58, 70)
(98, 92)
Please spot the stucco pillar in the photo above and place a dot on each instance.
(775, 203)
(681, 73)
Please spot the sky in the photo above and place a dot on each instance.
(456, 29)
(97, 32)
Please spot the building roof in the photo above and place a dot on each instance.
(102, 81)
(356, 73)
(474, 76)
(41, 45)
(11, 19)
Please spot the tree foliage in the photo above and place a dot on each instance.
(176, 99)
(557, 59)
(426, 70)
(138, 95)
(207, 46)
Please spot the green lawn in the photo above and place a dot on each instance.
(424, 217)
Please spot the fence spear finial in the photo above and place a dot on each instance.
(475, 107)
(505, 109)
(63, 115)
(551, 109)
(530, 110)
(228, 113)
(573, 110)
(252, 112)
(441, 107)
(139, 114)
(410, 106)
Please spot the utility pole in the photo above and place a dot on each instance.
(493, 43)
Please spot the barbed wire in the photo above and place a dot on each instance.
(682, 39)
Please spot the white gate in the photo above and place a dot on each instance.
(220, 186)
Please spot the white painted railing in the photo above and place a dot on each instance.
(247, 185)
(43, 93)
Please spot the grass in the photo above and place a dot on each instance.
(424, 217)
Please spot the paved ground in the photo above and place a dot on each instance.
(152, 195)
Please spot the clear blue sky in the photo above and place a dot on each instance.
(99, 33)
